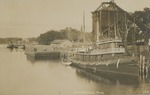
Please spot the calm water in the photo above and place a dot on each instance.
(20, 75)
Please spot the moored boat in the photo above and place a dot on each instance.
(66, 62)
(108, 54)
(11, 45)
(111, 59)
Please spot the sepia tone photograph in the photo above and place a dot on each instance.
(74, 47)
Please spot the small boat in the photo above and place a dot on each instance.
(66, 62)
(11, 45)
(21, 46)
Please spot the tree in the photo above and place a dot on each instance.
(49, 36)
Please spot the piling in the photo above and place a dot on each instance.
(143, 66)
(140, 65)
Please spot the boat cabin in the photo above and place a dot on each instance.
(106, 50)
(109, 46)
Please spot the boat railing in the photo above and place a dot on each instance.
(109, 50)
(110, 40)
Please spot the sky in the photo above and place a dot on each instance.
(30, 18)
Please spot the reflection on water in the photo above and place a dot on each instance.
(15, 49)
(33, 60)
(30, 59)
(125, 80)
(22, 75)
(118, 84)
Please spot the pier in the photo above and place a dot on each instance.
(42, 52)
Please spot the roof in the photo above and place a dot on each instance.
(107, 6)
(58, 41)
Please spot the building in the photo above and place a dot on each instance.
(61, 43)
(109, 21)
(112, 22)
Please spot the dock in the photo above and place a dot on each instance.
(42, 52)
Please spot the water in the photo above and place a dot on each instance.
(21, 75)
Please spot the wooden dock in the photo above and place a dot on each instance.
(42, 52)
(44, 55)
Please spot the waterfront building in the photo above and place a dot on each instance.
(61, 43)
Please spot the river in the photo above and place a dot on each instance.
(21, 75)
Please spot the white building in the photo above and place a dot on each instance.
(61, 43)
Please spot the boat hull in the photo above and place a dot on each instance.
(66, 62)
(12, 46)
(128, 67)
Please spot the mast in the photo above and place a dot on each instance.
(108, 23)
(115, 25)
(97, 26)
(81, 30)
(126, 32)
(83, 27)
(134, 37)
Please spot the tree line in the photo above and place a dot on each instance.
(68, 33)
(144, 17)
(7, 40)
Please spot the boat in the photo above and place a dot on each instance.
(66, 62)
(107, 60)
(11, 45)
(108, 54)
(21, 46)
